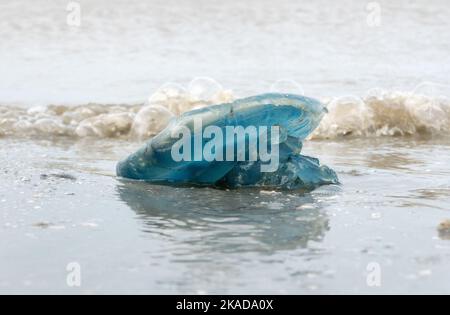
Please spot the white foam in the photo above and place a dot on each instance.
(136, 122)
(378, 114)
(385, 113)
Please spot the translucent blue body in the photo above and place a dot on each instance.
(295, 116)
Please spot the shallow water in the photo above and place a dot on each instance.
(388, 140)
(137, 237)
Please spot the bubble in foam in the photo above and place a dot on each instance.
(204, 91)
(166, 92)
(106, 125)
(36, 110)
(204, 88)
(347, 115)
(201, 92)
(287, 86)
(172, 96)
(149, 121)
(49, 126)
(429, 103)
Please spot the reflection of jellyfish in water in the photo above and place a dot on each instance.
(227, 221)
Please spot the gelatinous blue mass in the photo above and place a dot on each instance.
(184, 153)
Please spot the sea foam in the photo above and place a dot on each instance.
(380, 113)
(385, 113)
